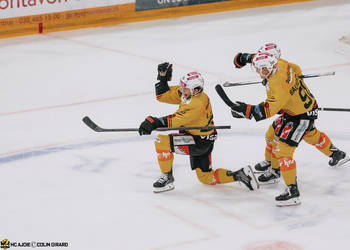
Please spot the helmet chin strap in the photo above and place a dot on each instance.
(198, 91)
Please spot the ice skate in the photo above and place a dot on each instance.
(262, 166)
(246, 176)
(290, 197)
(164, 183)
(270, 176)
(338, 158)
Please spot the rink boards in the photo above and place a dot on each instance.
(17, 18)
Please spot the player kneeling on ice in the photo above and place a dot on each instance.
(288, 95)
(194, 110)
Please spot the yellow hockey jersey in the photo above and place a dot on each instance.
(286, 92)
(193, 112)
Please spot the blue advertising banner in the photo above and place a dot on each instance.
(160, 4)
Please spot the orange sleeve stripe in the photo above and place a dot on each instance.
(267, 113)
(169, 122)
(236, 64)
(248, 111)
(150, 119)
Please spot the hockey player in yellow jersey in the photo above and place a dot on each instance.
(194, 111)
(288, 96)
(272, 175)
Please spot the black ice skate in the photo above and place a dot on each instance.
(338, 157)
(262, 166)
(290, 197)
(164, 183)
(271, 176)
(246, 176)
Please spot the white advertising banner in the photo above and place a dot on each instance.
(17, 8)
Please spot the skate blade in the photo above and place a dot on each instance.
(258, 172)
(290, 202)
(254, 183)
(343, 161)
(168, 187)
(270, 182)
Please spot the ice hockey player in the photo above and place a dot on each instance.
(272, 175)
(288, 95)
(194, 110)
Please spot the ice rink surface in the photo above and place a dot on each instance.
(62, 182)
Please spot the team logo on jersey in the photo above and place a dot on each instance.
(185, 100)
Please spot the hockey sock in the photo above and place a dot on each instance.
(320, 140)
(164, 155)
(165, 160)
(221, 177)
(288, 170)
(206, 177)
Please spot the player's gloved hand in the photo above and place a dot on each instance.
(149, 124)
(241, 59)
(165, 72)
(241, 110)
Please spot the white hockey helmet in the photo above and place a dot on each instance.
(271, 48)
(192, 81)
(265, 60)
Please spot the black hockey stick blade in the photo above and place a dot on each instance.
(91, 124)
(97, 128)
(223, 95)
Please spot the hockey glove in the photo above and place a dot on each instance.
(150, 124)
(165, 72)
(241, 110)
(241, 59)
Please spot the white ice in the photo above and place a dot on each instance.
(62, 182)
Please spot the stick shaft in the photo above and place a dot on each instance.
(97, 128)
(232, 84)
(334, 109)
(317, 75)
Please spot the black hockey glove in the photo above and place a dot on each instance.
(241, 59)
(165, 72)
(241, 110)
(150, 124)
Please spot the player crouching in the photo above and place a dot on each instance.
(194, 111)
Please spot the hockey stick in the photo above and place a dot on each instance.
(223, 95)
(232, 84)
(97, 128)
(334, 109)
(229, 103)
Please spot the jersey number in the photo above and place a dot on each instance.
(305, 95)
